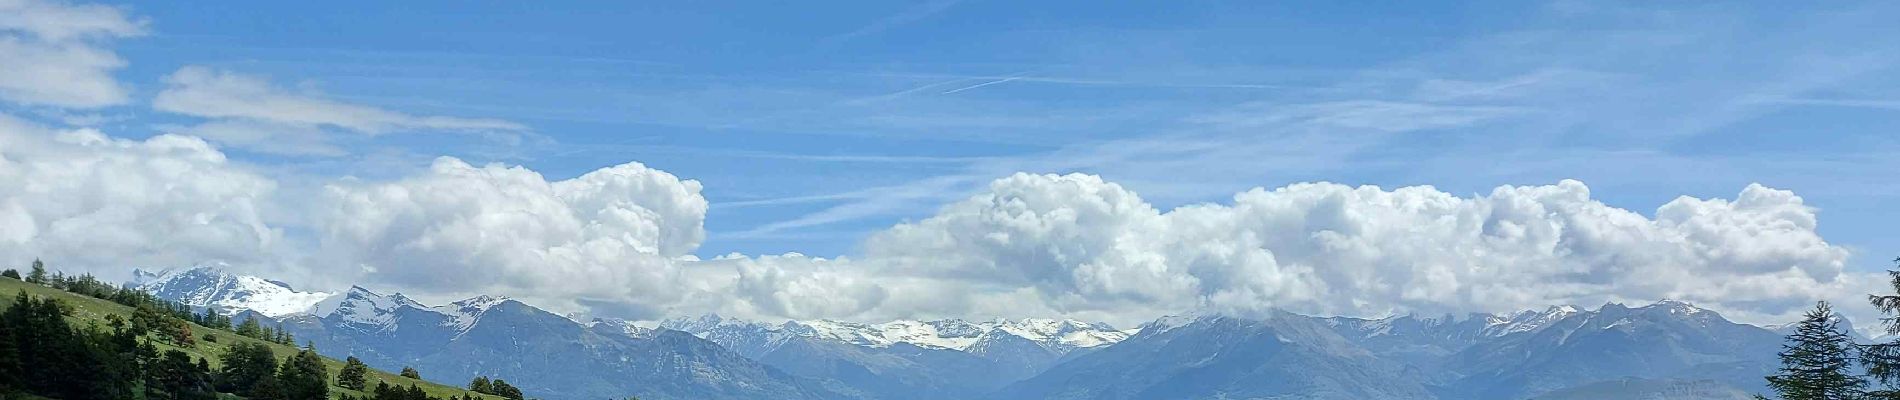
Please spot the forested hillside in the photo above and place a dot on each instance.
(77, 338)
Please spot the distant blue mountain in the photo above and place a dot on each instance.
(1666, 350)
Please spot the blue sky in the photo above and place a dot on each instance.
(811, 126)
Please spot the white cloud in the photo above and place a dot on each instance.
(54, 53)
(613, 233)
(87, 202)
(1085, 246)
(619, 241)
(249, 112)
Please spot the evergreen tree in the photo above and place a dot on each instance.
(1882, 360)
(11, 273)
(38, 274)
(1816, 361)
(246, 365)
(503, 389)
(354, 375)
(411, 373)
(251, 329)
(303, 376)
(10, 367)
(176, 377)
(481, 385)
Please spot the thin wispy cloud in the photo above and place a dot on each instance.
(910, 15)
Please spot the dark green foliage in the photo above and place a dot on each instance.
(250, 328)
(1882, 360)
(503, 389)
(11, 273)
(354, 375)
(497, 387)
(1817, 361)
(246, 365)
(175, 376)
(303, 376)
(408, 372)
(481, 385)
(54, 359)
(384, 391)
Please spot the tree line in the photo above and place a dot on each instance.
(1821, 361)
(149, 305)
(42, 353)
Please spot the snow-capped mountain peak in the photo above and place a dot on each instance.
(954, 334)
(212, 287)
(463, 314)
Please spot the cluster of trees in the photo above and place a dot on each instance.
(42, 354)
(385, 391)
(252, 329)
(497, 387)
(150, 307)
(1820, 361)
(252, 371)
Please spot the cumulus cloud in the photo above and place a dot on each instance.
(1086, 246)
(88, 202)
(250, 112)
(613, 234)
(619, 241)
(54, 54)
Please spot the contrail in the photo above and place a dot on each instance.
(982, 84)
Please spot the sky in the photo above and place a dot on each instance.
(870, 160)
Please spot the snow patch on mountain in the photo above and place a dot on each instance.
(954, 334)
(211, 287)
(463, 314)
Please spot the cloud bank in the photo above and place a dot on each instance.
(621, 240)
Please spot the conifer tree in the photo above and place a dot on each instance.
(246, 365)
(408, 372)
(1882, 360)
(503, 389)
(11, 273)
(354, 375)
(303, 376)
(1816, 362)
(481, 385)
(251, 329)
(38, 273)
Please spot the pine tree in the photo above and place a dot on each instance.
(303, 376)
(354, 375)
(251, 329)
(38, 274)
(503, 389)
(11, 273)
(481, 385)
(411, 373)
(246, 365)
(1816, 362)
(1882, 360)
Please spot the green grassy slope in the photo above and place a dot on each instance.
(88, 310)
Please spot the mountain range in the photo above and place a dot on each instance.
(1665, 350)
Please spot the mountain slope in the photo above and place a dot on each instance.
(1280, 356)
(1666, 340)
(92, 310)
(538, 351)
(211, 287)
(943, 359)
